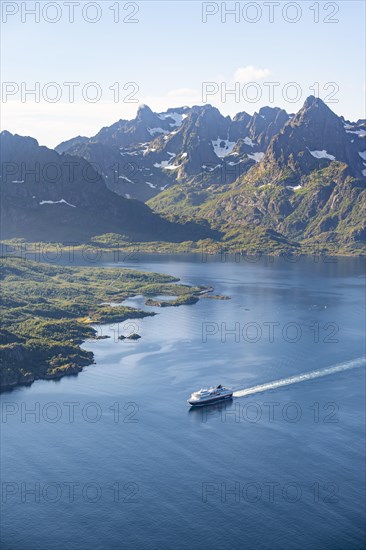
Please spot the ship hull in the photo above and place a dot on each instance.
(210, 401)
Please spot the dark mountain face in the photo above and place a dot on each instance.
(144, 128)
(65, 145)
(266, 124)
(143, 157)
(312, 139)
(47, 196)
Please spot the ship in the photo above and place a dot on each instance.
(209, 396)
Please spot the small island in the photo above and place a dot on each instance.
(184, 300)
(48, 311)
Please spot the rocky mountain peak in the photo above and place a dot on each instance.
(315, 110)
(190, 144)
(9, 139)
(145, 114)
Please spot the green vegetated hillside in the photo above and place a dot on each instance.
(47, 312)
(276, 209)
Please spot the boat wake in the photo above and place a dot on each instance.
(359, 362)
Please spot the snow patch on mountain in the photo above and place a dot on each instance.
(222, 147)
(248, 141)
(322, 155)
(165, 164)
(209, 168)
(256, 156)
(294, 188)
(62, 201)
(178, 119)
(153, 131)
(359, 133)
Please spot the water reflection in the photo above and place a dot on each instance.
(215, 410)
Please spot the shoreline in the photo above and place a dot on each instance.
(75, 369)
(69, 370)
(95, 251)
(49, 311)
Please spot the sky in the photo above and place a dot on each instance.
(93, 63)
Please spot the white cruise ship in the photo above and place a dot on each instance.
(211, 395)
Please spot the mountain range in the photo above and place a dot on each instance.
(271, 178)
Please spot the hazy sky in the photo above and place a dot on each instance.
(169, 53)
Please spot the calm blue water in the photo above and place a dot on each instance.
(274, 470)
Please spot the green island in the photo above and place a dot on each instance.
(48, 311)
(260, 242)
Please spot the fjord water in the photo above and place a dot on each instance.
(282, 467)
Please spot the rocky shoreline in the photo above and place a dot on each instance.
(72, 369)
(48, 311)
(17, 353)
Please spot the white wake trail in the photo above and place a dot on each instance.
(359, 362)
